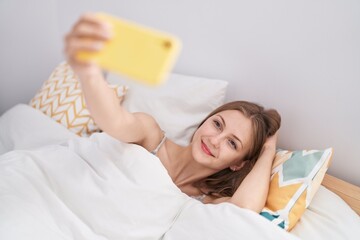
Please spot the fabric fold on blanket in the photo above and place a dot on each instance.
(89, 189)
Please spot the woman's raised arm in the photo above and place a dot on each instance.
(89, 34)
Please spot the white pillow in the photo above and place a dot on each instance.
(328, 217)
(179, 105)
(24, 127)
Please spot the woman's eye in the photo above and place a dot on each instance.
(232, 144)
(217, 124)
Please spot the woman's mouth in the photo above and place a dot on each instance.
(206, 149)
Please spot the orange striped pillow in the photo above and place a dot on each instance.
(61, 98)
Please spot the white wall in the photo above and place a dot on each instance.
(301, 57)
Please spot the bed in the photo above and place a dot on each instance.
(61, 182)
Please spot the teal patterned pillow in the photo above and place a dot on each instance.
(296, 177)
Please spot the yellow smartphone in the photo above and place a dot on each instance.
(136, 52)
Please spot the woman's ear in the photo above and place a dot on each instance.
(238, 166)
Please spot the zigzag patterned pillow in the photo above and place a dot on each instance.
(296, 177)
(61, 98)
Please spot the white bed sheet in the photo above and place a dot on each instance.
(74, 189)
(328, 216)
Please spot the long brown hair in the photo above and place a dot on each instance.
(265, 123)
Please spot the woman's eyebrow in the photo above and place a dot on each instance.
(224, 123)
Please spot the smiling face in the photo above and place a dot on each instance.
(223, 140)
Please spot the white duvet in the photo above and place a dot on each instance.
(65, 187)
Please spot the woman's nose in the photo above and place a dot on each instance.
(215, 140)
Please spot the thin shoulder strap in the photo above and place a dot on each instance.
(159, 146)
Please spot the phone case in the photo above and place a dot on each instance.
(136, 52)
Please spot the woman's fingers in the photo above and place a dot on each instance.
(88, 34)
(90, 26)
(74, 45)
(89, 30)
(93, 19)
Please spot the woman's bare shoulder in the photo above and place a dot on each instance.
(153, 134)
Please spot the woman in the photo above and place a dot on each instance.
(230, 155)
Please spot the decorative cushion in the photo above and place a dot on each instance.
(296, 177)
(61, 98)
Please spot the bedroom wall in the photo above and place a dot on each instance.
(300, 57)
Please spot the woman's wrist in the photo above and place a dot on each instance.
(267, 152)
(92, 75)
(269, 148)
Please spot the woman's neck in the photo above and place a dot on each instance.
(182, 167)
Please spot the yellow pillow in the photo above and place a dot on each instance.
(61, 98)
(296, 177)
